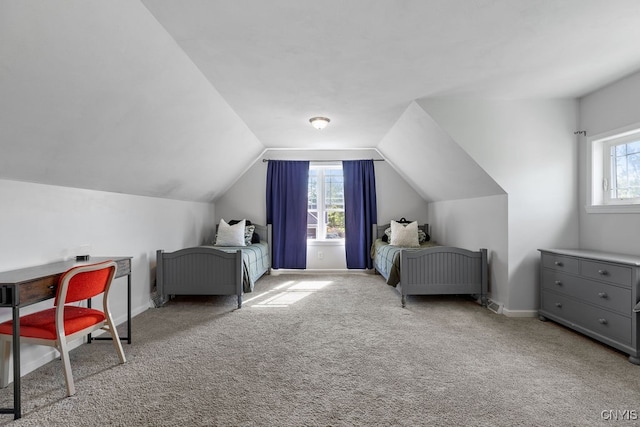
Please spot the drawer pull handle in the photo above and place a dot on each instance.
(559, 305)
(558, 263)
(558, 282)
(52, 286)
(603, 321)
(603, 272)
(603, 295)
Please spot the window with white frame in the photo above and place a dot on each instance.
(325, 213)
(622, 170)
(615, 169)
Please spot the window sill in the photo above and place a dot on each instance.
(332, 242)
(600, 209)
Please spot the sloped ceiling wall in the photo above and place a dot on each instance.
(433, 163)
(97, 95)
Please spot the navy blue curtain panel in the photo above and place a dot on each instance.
(287, 193)
(360, 211)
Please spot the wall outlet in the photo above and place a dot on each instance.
(320, 255)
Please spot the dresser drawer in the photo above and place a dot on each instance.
(600, 321)
(561, 306)
(561, 283)
(601, 294)
(608, 272)
(560, 263)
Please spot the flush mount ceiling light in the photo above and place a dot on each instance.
(319, 122)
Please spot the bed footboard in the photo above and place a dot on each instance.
(444, 270)
(199, 271)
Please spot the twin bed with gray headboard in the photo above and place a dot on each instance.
(213, 270)
(430, 269)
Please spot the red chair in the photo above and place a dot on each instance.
(61, 324)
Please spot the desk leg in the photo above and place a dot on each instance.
(129, 308)
(17, 409)
(128, 337)
(15, 341)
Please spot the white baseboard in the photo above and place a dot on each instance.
(519, 313)
(280, 271)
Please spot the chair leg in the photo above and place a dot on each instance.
(6, 355)
(66, 364)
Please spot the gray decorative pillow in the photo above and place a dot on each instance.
(388, 233)
(248, 234)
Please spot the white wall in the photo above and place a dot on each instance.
(40, 224)
(473, 224)
(395, 197)
(610, 108)
(529, 149)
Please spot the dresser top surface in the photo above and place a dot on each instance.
(597, 255)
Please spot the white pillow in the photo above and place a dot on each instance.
(230, 235)
(405, 236)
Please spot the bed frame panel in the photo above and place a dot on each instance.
(201, 270)
(441, 270)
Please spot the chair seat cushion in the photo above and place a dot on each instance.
(43, 323)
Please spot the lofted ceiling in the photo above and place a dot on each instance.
(176, 99)
(361, 62)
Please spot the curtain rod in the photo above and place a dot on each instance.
(317, 161)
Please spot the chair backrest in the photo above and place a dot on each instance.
(85, 281)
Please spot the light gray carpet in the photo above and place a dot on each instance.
(335, 350)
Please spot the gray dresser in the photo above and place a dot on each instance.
(595, 293)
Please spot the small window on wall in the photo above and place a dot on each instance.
(615, 172)
(325, 213)
(622, 171)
